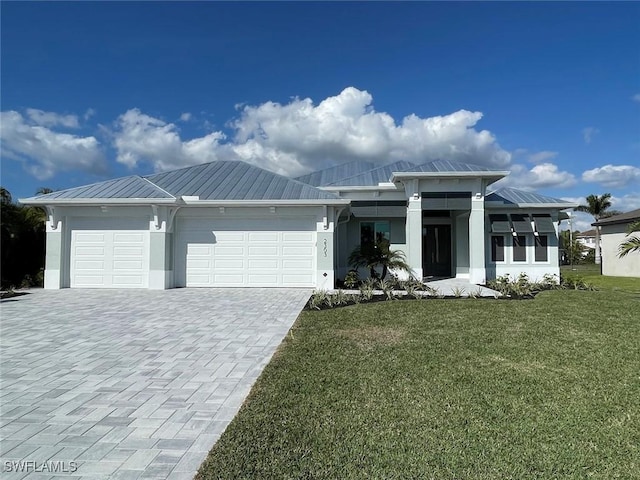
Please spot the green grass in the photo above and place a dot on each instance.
(453, 389)
(590, 273)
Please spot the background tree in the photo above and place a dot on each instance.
(573, 248)
(597, 207)
(23, 243)
(631, 244)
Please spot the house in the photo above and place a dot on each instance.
(613, 231)
(228, 223)
(587, 239)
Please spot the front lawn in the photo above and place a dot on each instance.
(455, 389)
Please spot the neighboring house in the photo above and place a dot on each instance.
(588, 239)
(228, 223)
(613, 231)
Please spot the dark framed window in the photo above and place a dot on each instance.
(520, 248)
(541, 250)
(374, 232)
(497, 248)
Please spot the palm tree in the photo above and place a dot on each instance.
(596, 206)
(631, 244)
(376, 255)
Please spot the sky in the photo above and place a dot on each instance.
(549, 91)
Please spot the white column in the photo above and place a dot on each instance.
(55, 253)
(325, 268)
(477, 272)
(414, 235)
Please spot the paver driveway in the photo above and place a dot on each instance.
(130, 384)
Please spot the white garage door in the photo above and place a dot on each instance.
(109, 254)
(275, 252)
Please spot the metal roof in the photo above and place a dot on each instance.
(626, 217)
(235, 180)
(442, 166)
(336, 173)
(126, 187)
(515, 196)
(375, 176)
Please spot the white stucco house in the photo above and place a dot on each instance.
(228, 223)
(613, 231)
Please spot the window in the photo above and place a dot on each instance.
(520, 248)
(541, 251)
(497, 248)
(374, 232)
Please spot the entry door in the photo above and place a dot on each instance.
(436, 250)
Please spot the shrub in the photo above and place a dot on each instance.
(352, 280)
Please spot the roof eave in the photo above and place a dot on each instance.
(357, 188)
(395, 176)
(96, 201)
(560, 206)
(263, 203)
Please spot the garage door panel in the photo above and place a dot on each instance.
(228, 263)
(228, 250)
(263, 251)
(263, 263)
(257, 252)
(90, 264)
(120, 281)
(82, 237)
(263, 237)
(196, 249)
(298, 250)
(128, 238)
(297, 264)
(297, 237)
(228, 279)
(88, 280)
(128, 265)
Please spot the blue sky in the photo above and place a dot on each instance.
(550, 91)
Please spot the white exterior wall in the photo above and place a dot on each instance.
(159, 229)
(534, 270)
(611, 238)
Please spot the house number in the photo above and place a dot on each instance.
(324, 247)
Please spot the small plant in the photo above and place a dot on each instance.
(458, 292)
(366, 291)
(436, 292)
(340, 298)
(317, 300)
(477, 293)
(387, 288)
(352, 280)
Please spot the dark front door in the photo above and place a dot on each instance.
(436, 250)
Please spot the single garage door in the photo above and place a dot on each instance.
(252, 252)
(110, 253)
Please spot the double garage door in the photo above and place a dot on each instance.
(249, 252)
(110, 253)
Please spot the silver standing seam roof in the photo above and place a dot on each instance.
(126, 187)
(219, 180)
(375, 176)
(514, 196)
(338, 172)
(440, 166)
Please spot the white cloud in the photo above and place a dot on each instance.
(185, 117)
(542, 156)
(89, 113)
(51, 119)
(300, 136)
(43, 151)
(544, 175)
(588, 133)
(139, 137)
(626, 203)
(636, 97)
(612, 175)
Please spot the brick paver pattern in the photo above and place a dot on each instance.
(130, 384)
